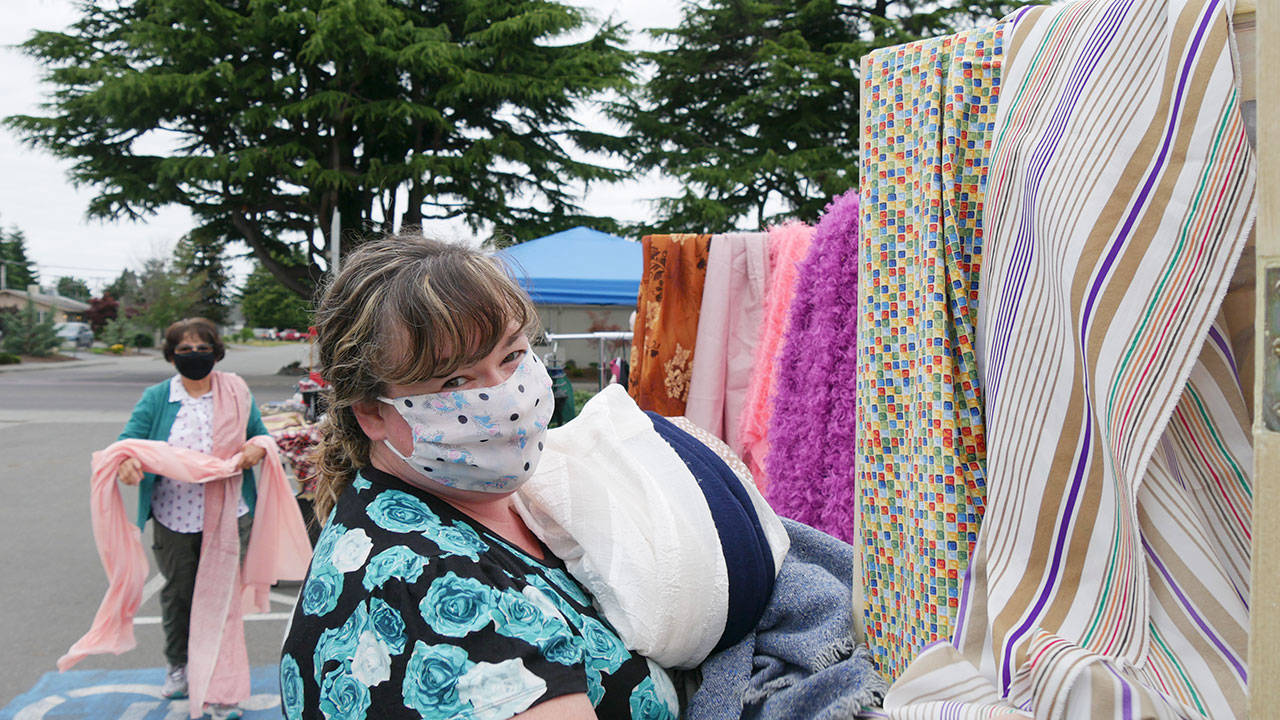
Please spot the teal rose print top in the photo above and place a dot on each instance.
(413, 610)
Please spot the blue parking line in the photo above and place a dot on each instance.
(127, 695)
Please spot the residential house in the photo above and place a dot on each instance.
(47, 304)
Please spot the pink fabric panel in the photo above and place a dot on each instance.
(218, 661)
(728, 330)
(788, 245)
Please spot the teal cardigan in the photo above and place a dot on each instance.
(153, 418)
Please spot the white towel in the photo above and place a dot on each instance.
(619, 506)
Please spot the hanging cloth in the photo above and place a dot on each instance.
(811, 462)
(666, 329)
(728, 331)
(788, 246)
(1111, 573)
(928, 110)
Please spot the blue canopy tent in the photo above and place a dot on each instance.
(579, 266)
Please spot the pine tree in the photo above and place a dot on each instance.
(279, 112)
(74, 288)
(124, 288)
(201, 258)
(26, 334)
(268, 304)
(754, 107)
(165, 295)
(19, 271)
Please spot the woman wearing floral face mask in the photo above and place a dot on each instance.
(428, 596)
(180, 411)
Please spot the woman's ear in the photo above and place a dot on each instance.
(369, 415)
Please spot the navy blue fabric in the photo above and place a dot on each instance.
(746, 549)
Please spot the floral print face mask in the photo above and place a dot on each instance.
(484, 439)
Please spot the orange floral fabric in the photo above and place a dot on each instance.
(675, 269)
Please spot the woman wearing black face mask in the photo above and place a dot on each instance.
(180, 411)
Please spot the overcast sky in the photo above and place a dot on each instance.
(36, 196)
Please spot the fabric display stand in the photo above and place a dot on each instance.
(297, 439)
(1109, 577)
(1262, 40)
(1043, 450)
(752, 334)
(731, 296)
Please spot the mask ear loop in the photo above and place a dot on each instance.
(392, 448)
(387, 441)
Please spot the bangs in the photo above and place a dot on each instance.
(451, 315)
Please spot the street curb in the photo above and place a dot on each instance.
(67, 364)
(22, 367)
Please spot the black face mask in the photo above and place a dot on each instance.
(194, 366)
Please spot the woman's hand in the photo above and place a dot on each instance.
(130, 472)
(251, 455)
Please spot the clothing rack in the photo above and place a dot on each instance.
(601, 337)
(1264, 631)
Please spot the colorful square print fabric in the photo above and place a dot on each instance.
(928, 112)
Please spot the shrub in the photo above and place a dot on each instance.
(26, 334)
(126, 333)
(114, 332)
(580, 398)
(9, 359)
(101, 311)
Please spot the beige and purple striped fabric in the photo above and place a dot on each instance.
(1111, 572)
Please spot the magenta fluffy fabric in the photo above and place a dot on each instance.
(813, 430)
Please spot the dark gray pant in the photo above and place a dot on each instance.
(178, 557)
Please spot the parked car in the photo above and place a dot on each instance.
(291, 334)
(76, 333)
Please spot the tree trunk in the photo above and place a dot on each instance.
(413, 213)
(291, 278)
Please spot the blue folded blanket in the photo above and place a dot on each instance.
(800, 661)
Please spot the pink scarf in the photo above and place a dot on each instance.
(789, 244)
(218, 669)
(728, 330)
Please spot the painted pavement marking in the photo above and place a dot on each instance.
(157, 581)
(127, 695)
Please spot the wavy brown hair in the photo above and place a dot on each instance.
(403, 309)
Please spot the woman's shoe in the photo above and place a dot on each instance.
(224, 711)
(175, 682)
